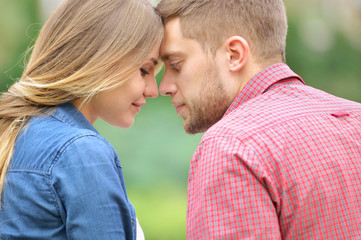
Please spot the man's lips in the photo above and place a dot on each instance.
(178, 107)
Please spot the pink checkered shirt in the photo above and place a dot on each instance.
(283, 163)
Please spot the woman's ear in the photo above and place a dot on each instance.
(237, 50)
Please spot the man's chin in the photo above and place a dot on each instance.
(187, 127)
(191, 131)
(193, 128)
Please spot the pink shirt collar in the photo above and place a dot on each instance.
(262, 81)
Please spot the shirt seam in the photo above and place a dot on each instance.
(28, 170)
(268, 126)
(71, 141)
(53, 188)
(266, 178)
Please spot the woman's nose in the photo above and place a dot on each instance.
(151, 89)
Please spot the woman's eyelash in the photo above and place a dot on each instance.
(143, 71)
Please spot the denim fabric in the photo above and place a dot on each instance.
(65, 181)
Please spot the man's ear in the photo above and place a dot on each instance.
(237, 50)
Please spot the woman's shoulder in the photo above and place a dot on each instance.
(46, 138)
(56, 131)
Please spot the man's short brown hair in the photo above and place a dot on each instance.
(263, 23)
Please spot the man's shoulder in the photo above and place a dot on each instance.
(276, 107)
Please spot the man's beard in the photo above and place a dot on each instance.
(210, 105)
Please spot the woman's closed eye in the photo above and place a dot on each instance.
(144, 72)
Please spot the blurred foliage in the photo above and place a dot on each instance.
(336, 71)
(19, 25)
(155, 152)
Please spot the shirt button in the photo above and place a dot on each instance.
(340, 114)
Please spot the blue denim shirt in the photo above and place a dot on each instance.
(65, 181)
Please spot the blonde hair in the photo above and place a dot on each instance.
(85, 47)
(263, 23)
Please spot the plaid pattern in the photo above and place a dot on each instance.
(283, 163)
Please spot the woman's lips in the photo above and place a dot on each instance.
(138, 105)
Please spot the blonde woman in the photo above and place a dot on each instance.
(59, 178)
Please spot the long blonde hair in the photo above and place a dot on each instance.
(85, 47)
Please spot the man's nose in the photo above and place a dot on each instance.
(167, 87)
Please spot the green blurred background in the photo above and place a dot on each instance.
(323, 46)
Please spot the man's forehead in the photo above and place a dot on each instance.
(172, 47)
(173, 28)
(174, 43)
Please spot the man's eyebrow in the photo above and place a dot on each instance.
(166, 57)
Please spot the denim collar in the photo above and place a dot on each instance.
(70, 115)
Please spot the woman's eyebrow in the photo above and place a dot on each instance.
(155, 61)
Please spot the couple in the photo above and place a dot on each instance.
(279, 159)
